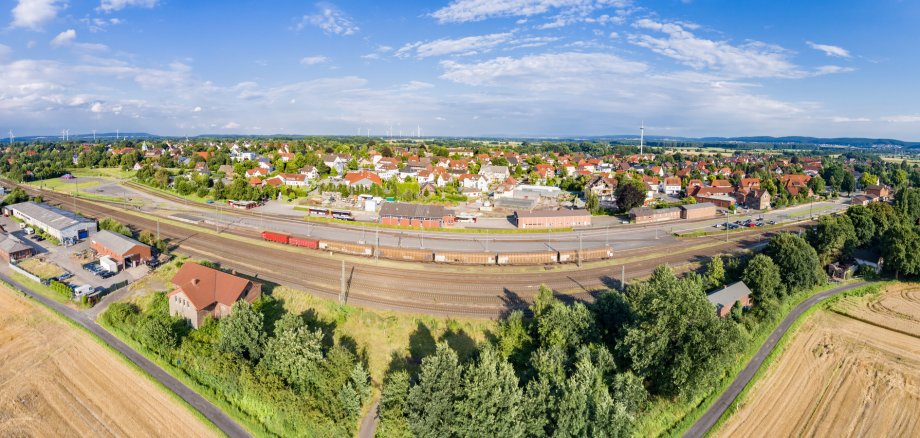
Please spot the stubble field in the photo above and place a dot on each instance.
(853, 370)
(55, 380)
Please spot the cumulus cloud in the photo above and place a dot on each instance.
(34, 13)
(4, 51)
(829, 50)
(231, 125)
(96, 107)
(330, 19)
(461, 46)
(116, 5)
(461, 11)
(551, 70)
(197, 109)
(903, 119)
(314, 60)
(64, 38)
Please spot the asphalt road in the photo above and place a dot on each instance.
(226, 424)
(709, 419)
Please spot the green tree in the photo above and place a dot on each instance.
(393, 403)
(592, 203)
(761, 275)
(798, 262)
(817, 185)
(294, 353)
(15, 196)
(899, 249)
(868, 179)
(863, 224)
(848, 184)
(629, 194)
(566, 326)
(242, 332)
(832, 237)
(586, 408)
(432, 404)
(491, 401)
(715, 273)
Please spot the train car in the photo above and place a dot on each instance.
(528, 258)
(304, 242)
(597, 254)
(406, 254)
(346, 248)
(465, 258)
(275, 237)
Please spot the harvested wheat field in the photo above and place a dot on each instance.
(853, 370)
(56, 380)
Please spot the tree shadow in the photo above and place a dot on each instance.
(421, 344)
(511, 301)
(461, 342)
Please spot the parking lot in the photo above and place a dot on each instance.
(72, 259)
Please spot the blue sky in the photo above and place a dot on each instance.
(462, 67)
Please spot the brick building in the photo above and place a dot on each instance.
(552, 219)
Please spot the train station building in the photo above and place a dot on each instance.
(552, 219)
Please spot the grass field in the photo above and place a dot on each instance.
(65, 186)
(56, 380)
(851, 369)
(817, 209)
(43, 269)
(107, 172)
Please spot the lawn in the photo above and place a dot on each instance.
(384, 335)
(42, 269)
(66, 186)
(810, 211)
(107, 172)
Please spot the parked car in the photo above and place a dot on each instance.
(771, 222)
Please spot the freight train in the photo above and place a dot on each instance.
(448, 257)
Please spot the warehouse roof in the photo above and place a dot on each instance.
(403, 209)
(551, 213)
(12, 245)
(699, 206)
(647, 211)
(118, 243)
(51, 216)
(728, 295)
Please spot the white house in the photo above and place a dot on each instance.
(474, 181)
(494, 173)
(670, 186)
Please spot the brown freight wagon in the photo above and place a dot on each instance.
(406, 254)
(346, 248)
(571, 255)
(465, 258)
(528, 258)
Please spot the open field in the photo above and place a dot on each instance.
(109, 172)
(67, 186)
(55, 380)
(852, 370)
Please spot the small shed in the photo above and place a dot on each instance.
(724, 299)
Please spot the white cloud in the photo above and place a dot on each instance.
(461, 11)
(116, 5)
(831, 69)
(462, 46)
(829, 50)
(330, 19)
(231, 125)
(64, 38)
(551, 70)
(839, 119)
(5, 51)
(314, 60)
(96, 107)
(903, 119)
(197, 109)
(34, 13)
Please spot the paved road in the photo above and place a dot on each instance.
(709, 419)
(218, 417)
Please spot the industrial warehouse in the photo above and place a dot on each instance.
(125, 251)
(66, 227)
(415, 215)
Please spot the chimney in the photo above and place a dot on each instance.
(195, 281)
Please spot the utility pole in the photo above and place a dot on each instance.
(623, 277)
(158, 228)
(579, 250)
(342, 285)
(377, 244)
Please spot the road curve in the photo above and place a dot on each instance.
(718, 409)
(223, 422)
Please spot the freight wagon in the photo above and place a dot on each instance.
(276, 237)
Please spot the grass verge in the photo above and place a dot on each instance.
(810, 211)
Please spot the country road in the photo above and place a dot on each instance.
(719, 408)
(223, 422)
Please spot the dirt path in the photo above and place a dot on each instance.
(218, 417)
(709, 419)
(55, 380)
(851, 371)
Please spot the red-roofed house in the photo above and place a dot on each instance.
(202, 291)
(362, 178)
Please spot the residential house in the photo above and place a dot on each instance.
(882, 192)
(726, 298)
(294, 179)
(670, 186)
(362, 178)
(309, 172)
(494, 173)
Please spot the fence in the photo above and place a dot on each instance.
(28, 274)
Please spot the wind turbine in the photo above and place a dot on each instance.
(418, 132)
(641, 137)
(94, 135)
(11, 136)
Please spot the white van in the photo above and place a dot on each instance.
(30, 231)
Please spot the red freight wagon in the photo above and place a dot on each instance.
(304, 242)
(275, 237)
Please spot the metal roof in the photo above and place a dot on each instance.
(728, 295)
(551, 213)
(699, 206)
(118, 243)
(403, 209)
(52, 217)
(12, 245)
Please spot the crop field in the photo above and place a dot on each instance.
(852, 370)
(56, 380)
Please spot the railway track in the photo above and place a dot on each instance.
(430, 289)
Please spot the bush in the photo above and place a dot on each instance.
(62, 289)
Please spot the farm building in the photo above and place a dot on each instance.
(415, 215)
(63, 225)
(724, 299)
(125, 251)
(13, 249)
(698, 211)
(645, 215)
(552, 219)
(202, 291)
